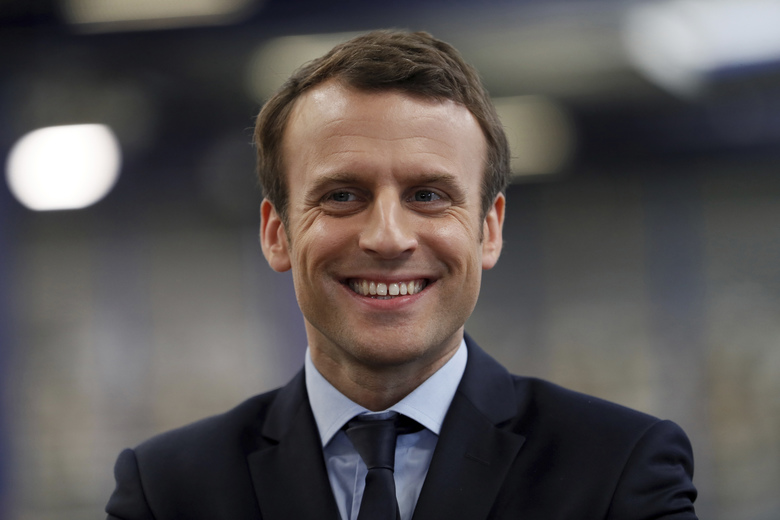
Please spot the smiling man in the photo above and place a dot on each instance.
(383, 165)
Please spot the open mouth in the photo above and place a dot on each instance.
(386, 290)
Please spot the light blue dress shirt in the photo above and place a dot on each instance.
(427, 404)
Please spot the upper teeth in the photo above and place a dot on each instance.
(370, 288)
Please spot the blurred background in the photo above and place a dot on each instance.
(642, 237)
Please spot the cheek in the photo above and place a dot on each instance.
(319, 243)
(455, 241)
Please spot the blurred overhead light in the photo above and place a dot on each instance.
(540, 133)
(274, 61)
(153, 14)
(63, 167)
(680, 43)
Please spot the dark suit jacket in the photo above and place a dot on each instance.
(510, 447)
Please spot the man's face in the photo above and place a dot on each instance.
(384, 236)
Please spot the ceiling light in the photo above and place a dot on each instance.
(63, 167)
(276, 60)
(540, 133)
(679, 44)
(100, 15)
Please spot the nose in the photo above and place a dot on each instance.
(388, 232)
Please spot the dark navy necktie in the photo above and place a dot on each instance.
(374, 439)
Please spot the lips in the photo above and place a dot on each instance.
(376, 289)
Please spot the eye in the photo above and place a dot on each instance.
(342, 196)
(425, 196)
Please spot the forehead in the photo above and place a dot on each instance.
(333, 120)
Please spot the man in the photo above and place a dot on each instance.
(383, 165)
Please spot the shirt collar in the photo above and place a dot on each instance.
(427, 404)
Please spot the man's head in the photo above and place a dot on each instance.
(386, 225)
(413, 63)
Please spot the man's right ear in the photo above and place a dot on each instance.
(273, 238)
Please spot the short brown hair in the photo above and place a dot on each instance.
(416, 63)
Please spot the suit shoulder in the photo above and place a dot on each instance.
(240, 423)
(608, 460)
(197, 470)
(547, 404)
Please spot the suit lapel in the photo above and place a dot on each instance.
(469, 465)
(473, 455)
(288, 471)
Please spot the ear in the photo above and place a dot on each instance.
(273, 238)
(492, 239)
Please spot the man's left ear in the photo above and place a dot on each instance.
(492, 239)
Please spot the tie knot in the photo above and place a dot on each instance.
(374, 439)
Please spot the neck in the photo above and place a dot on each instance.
(377, 387)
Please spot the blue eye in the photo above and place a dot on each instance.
(425, 196)
(342, 196)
